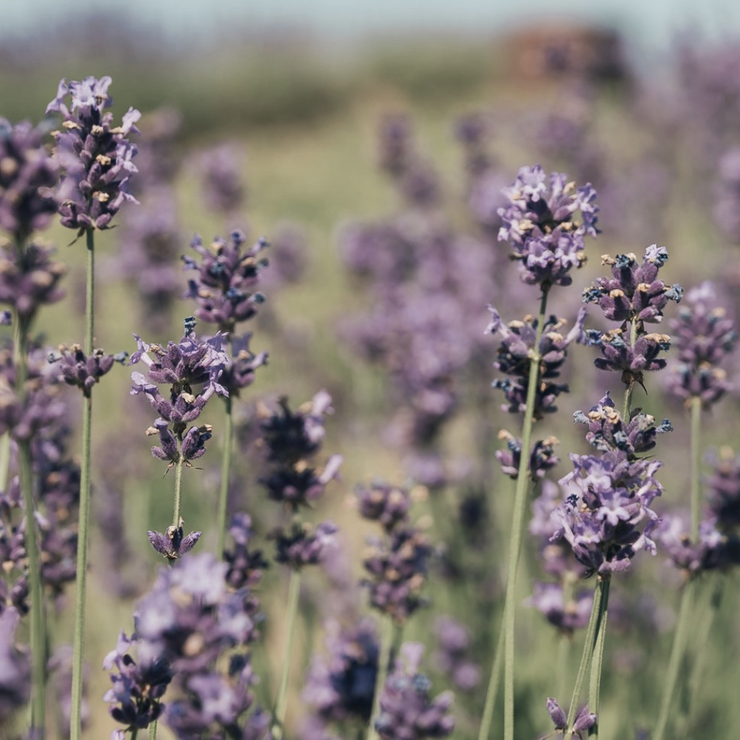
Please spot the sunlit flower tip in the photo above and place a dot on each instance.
(173, 544)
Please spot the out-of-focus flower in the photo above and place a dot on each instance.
(15, 666)
(453, 653)
(302, 545)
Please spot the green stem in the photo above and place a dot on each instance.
(294, 590)
(178, 491)
(695, 467)
(223, 498)
(384, 656)
(75, 728)
(597, 659)
(517, 525)
(153, 730)
(588, 649)
(492, 691)
(680, 637)
(38, 619)
(4, 461)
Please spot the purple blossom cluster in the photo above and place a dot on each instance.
(396, 564)
(606, 516)
(514, 358)
(704, 336)
(95, 156)
(541, 459)
(453, 653)
(15, 666)
(583, 721)
(634, 295)
(28, 176)
(188, 622)
(541, 224)
(340, 685)
(406, 710)
(77, 369)
(221, 169)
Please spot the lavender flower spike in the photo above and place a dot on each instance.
(541, 225)
(95, 156)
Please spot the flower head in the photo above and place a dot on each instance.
(541, 224)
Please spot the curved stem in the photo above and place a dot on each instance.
(492, 691)
(384, 656)
(223, 498)
(75, 728)
(517, 525)
(588, 645)
(597, 658)
(680, 637)
(281, 705)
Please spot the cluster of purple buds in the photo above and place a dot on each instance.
(608, 497)
(225, 288)
(384, 503)
(514, 358)
(290, 439)
(27, 178)
(566, 608)
(541, 224)
(584, 720)
(406, 710)
(245, 565)
(95, 156)
(77, 369)
(30, 280)
(634, 296)
(184, 627)
(303, 544)
(703, 335)
(192, 369)
(453, 653)
(174, 543)
(221, 168)
(724, 489)
(397, 568)
(239, 373)
(15, 666)
(541, 459)
(340, 686)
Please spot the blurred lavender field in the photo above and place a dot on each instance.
(374, 440)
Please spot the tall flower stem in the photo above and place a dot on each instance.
(223, 498)
(492, 691)
(589, 646)
(597, 659)
(178, 492)
(294, 590)
(84, 514)
(517, 525)
(680, 636)
(384, 656)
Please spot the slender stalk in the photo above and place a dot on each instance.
(695, 467)
(517, 525)
(597, 659)
(4, 461)
(631, 384)
(152, 731)
(223, 498)
(294, 590)
(178, 492)
(384, 656)
(75, 728)
(492, 691)
(588, 649)
(680, 637)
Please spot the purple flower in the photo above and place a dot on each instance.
(541, 459)
(583, 721)
(712, 551)
(341, 685)
(397, 572)
(30, 280)
(703, 336)
(453, 654)
(567, 616)
(723, 487)
(406, 710)
(173, 544)
(239, 373)
(27, 176)
(76, 368)
(226, 282)
(303, 545)
(222, 170)
(384, 503)
(541, 225)
(514, 358)
(245, 565)
(95, 156)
